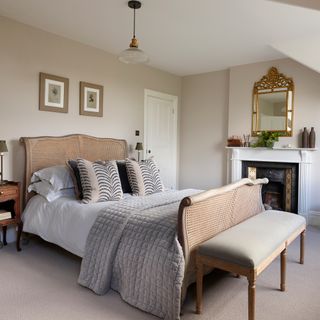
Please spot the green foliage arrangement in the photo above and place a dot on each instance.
(266, 139)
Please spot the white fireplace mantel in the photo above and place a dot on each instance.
(301, 156)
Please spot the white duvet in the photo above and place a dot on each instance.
(65, 221)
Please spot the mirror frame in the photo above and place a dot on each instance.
(270, 83)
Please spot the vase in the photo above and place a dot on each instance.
(312, 138)
(305, 138)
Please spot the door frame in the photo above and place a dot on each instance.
(174, 100)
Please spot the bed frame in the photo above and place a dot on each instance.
(46, 151)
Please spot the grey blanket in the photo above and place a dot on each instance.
(133, 248)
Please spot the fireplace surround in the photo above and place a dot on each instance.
(301, 157)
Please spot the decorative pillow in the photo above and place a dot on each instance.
(100, 182)
(75, 175)
(144, 177)
(126, 188)
(57, 176)
(45, 189)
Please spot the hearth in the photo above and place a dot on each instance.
(281, 193)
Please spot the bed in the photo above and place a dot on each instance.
(130, 245)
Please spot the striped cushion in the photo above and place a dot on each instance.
(100, 182)
(144, 177)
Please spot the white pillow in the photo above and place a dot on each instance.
(57, 176)
(44, 188)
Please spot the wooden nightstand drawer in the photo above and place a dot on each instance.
(8, 192)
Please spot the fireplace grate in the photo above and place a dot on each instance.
(281, 193)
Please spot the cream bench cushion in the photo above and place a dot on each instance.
(252, 241)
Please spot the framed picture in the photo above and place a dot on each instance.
(54, 93)
(91, 99)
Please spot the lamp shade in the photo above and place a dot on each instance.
(139, 146)
(3, 146)
(133, 56)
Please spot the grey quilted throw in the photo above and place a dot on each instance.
(133, 248)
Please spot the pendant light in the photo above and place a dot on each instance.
(133, 54)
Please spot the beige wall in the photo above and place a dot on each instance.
(207, 100)
(204, 115)
(26, 51)
(306, 99)
(306, 106)
(218, 104)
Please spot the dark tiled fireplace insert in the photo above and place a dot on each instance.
(281, 193)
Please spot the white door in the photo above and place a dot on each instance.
(160, 133)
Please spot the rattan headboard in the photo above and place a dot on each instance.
(42, 152)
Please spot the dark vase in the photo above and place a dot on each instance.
(305, 138)
(312, 138)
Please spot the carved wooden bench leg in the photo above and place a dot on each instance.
(283, 270)
(251, 296)
(302, 237)
(199, 289)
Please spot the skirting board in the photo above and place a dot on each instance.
(11, 235)
(314, 218)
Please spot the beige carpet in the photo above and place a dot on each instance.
(40, 283)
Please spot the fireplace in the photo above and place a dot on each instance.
(301, 158)
(281, 193)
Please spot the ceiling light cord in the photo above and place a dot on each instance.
(133, 54)
(134, 23)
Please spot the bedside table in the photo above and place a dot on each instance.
(10, 201)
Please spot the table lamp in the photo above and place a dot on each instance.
(139, 147)
(3, 148)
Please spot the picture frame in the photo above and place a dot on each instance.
(91, 99)
(53, 93)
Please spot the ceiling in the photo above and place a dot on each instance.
(180, 36)
(312, 4)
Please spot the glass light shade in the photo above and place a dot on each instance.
(133, 56)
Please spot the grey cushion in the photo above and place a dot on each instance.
(126, 188)
(253, 240)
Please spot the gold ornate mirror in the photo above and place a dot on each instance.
(272, 108)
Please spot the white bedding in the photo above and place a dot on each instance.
(65, 221)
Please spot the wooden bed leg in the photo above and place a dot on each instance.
(20, 226)
(251, 296)
(302, 237)
(283, 270)
(199, 289)
(4, 234)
